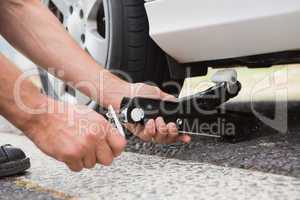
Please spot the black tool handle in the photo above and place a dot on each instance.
(202, 103)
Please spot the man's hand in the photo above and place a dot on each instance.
(77, 136)
(156, 129)
(41, 37)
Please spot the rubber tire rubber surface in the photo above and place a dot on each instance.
(132, 49)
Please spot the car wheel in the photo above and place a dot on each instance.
(116, 34)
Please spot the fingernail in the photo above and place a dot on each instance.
(173, 126)
(151, 122)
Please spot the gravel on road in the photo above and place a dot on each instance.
(136, 176)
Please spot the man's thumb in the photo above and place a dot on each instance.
(167, 97)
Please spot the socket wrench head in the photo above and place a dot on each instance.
(228, 76)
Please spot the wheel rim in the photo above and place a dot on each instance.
(87, 21)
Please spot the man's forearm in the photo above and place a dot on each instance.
(32, 29)
(28, 96)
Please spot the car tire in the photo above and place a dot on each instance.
(131, 53)
(140, 57)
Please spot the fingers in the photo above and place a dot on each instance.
(104, 153)
(166, 96)
(162, 131)
(110, 144)
(168, 133)
(75, 166)
(135, 129)
(158, 130)
(90, 161)
(99, 150)
(148, 132)
(116, 142)
(173, 133)
(84, 156)
(150, 129)
(185, 139)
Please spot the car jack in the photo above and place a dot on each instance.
(201, 114)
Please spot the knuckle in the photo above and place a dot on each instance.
(149, 128)
(101, 137)
(162, 130)
(71, 155)
(91, 136)
(83, 148)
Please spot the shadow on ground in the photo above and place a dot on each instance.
(267, 151)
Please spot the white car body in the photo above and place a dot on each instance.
(205, 30)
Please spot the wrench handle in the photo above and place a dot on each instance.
(140, 109)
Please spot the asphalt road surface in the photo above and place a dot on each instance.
(265, 166)
(135, 176)
(264, 149)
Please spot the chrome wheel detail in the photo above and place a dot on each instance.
(87, 22)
